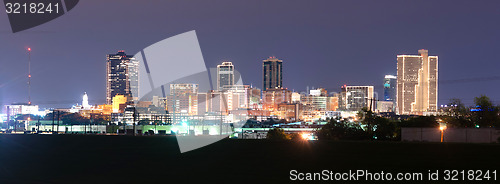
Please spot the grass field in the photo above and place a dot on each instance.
(127, 159)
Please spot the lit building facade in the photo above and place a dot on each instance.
(183, 98)
(119, 103)
(243, 96)
(231, 98)
(354, 98)
(318, 92)
(121, 76)
(315, 102)
(272, 73)
(332, 103)
(225, 75)
(385, 106)
(21, 108)
(295, 97)
(417, 83)
(390, 83)
(272, 97)
(289, 111)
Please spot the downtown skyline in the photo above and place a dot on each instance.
(350, 49)
(247, 91)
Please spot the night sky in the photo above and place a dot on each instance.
(322, 43)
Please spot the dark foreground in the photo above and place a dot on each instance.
(126, 159)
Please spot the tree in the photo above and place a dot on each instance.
(72, 119)
(385, 129)
(420, 121)
(457, 108)
(485, 114)
(334, 130)
(457, 115)
(277, 134)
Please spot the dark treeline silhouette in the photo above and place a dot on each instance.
(483, 114)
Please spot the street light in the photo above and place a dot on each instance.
(442, 128)
(305, 136)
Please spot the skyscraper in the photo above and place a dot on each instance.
(121, 76)
(272, 73)
(417, 83)
(390, 88)
(225, 75)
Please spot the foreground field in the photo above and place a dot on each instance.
(127, 159)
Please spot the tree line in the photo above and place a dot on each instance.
(373, 127)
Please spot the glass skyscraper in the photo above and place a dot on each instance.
(121, 76)
(390, 88)
(272, 73)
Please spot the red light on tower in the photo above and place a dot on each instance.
(29, 49)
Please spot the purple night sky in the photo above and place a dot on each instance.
(322, 43)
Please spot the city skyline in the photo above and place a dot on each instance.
(321, 47)
(200, 89)
(271, 66)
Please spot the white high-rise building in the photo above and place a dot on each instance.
(417, 83)
(225, 75)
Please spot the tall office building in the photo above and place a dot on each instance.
(390, 82)
(417, 83)
(272, 73)
(225, 75)
(121, 76)
(354, 98)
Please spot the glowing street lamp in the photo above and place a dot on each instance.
(305, 136)
(442, 128)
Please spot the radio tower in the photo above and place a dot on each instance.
(29, 76)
